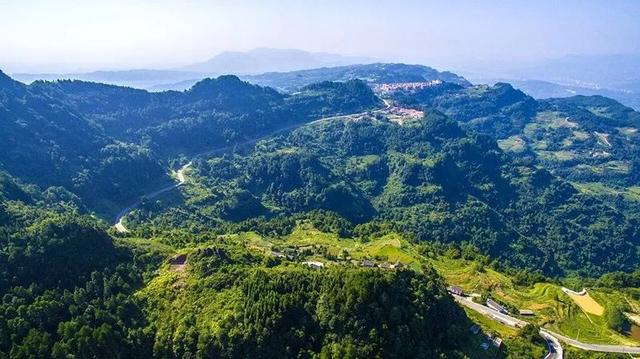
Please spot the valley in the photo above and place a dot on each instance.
(338, 212)
(319, 180)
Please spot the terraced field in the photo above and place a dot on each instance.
(588, 144)
(553, 308)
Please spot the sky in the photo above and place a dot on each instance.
(68, 35)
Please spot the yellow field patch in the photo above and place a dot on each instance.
(587, 303)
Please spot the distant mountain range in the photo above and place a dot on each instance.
(376, 73)
(141, 79)
(263, 60)
(254, 61)
(615, 76)
(544, 89)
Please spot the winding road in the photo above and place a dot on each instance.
(553, 344)
(119, 226)
(553, 339)
(180, 174)
(555, 349)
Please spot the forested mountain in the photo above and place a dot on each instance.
(372, 73)
(429, 178)
(125, 138)
(67, 286)
(582, 139)
(84, 303)
(376, 73)
(107, 143)
(313, 231)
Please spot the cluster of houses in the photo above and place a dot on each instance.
(365, 263)
(313, 264)
(405, 86)
(292, 254)
(384, 265)
(491, 339)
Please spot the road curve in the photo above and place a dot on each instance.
(555, 349)
(569, 291)
(604, 348)
(180, 176)
(491, 313)
(553, 339)
(119, 226)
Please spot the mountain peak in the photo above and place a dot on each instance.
(7, 83)
(261, 60)
(5, 79)
(232, 92)
(221, 83)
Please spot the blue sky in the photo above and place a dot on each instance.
(68, 34)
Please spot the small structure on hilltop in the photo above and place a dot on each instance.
(314, 265)
(528, 312)
(367, 263)
(454, 289)
(497, 307)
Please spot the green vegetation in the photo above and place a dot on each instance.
(427, 178)
(107, 145)
(371, 73)
(66, 286)
(582, 139)
(335, 239)
(231, 305)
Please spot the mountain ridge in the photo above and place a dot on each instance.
(262, 60)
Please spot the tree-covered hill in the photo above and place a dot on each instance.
(379, 73)
(66, 285)
(234, 303)
(69, 289)
(109, 144)
(352, 178)
(582, 139)
(429, 178)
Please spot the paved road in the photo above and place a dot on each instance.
(569, 291)
(553, 339)
(120, 217)
(119, 225)
(555, 349)
(491, 313)
(605, 348)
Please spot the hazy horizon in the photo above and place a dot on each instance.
(68, 35)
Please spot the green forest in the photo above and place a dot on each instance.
(321, 219)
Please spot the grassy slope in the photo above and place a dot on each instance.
(554, 309)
